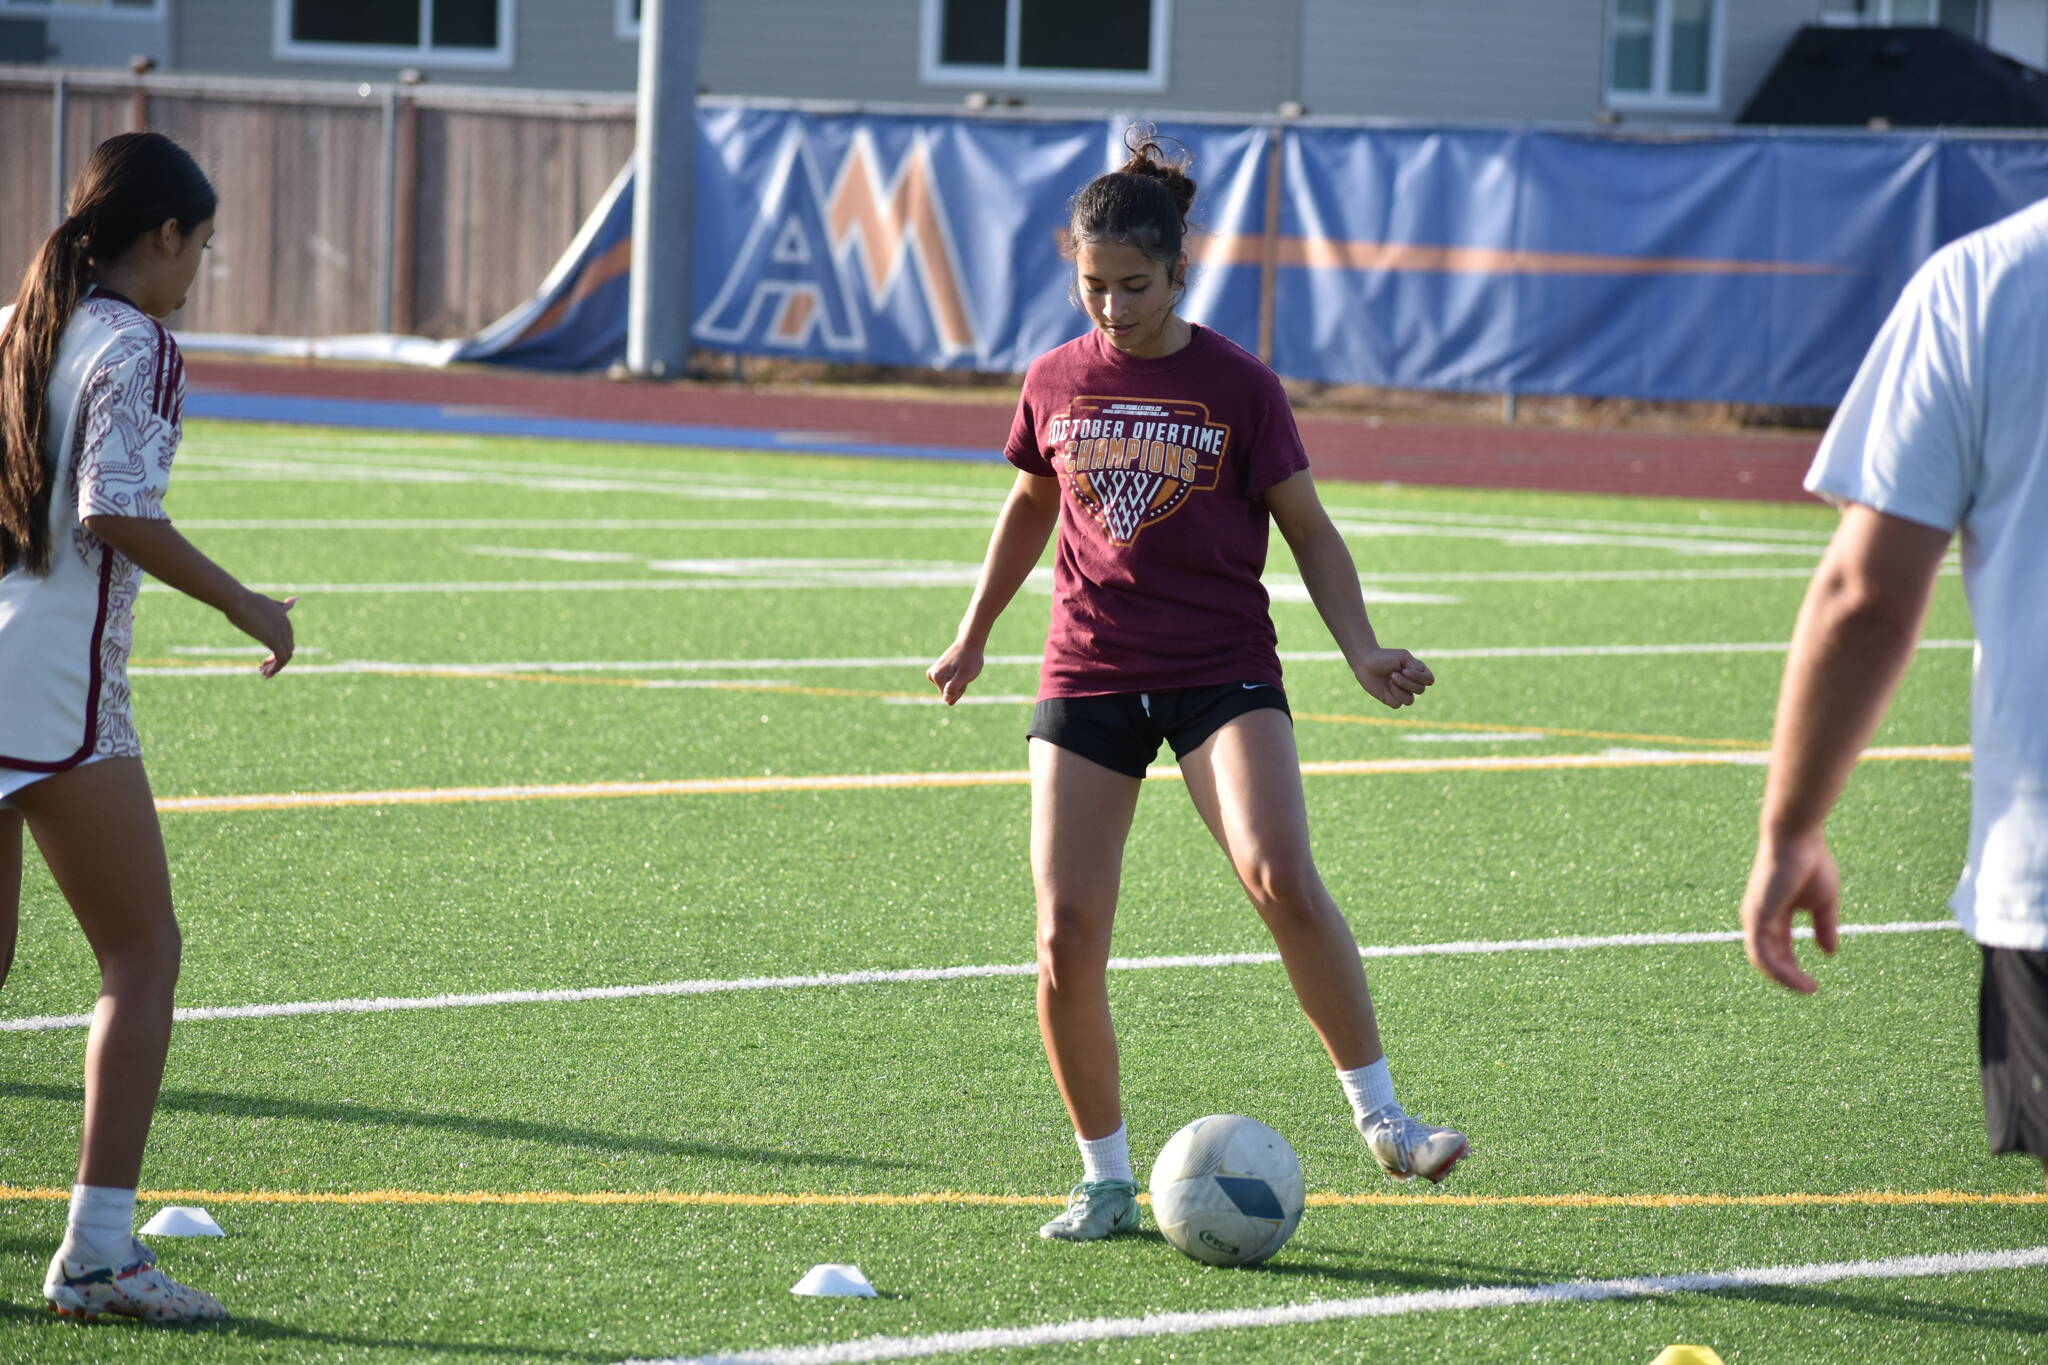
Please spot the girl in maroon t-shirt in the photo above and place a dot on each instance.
(1160, 450)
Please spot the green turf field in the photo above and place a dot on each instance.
(495, 634)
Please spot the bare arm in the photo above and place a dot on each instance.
(1393, 676)
(1022, 528)
(163, 553)
(1854, 637)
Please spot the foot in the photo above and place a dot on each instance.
(1407, 1147)
(1096, 1209)
(135, 1289)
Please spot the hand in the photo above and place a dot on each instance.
(957, 667)
(265, 621)
(1788, 877)
(1394, 676)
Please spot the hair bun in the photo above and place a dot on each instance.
(1150, 159)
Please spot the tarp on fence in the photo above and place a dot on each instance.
(1741, 267)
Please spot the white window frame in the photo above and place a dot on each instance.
(1658, 96)
(625, 23)
(424, 54)
(932, 71)
(1880, 16)
(56, 9)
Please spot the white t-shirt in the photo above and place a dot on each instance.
(116, 399)
(1946, 424)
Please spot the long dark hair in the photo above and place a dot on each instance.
(1143, 203)
(132, 184)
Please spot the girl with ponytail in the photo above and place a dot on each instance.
(1161, 452)
(92, 391)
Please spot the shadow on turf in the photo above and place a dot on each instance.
(519, 1130)
(259, 1330)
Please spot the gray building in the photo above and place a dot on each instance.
(1657, 61)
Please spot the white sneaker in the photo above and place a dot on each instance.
(135, 1289)
(1095, 1209)
(1406, 1147)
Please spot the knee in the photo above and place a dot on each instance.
(149, 958)
(1285, 891)
(1072, 943)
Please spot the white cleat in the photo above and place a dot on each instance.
(1406, 1147)
(133, 1289)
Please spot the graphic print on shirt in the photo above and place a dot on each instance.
(1133, 462)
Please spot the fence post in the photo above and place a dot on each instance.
(659, 316)
(387, 230)
(404, 213)
(1269, 243)
(138, 95)
(60, 116)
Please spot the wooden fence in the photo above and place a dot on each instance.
(344, 208)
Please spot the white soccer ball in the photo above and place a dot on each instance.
(1227, 1190)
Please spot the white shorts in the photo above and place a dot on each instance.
(13, 780)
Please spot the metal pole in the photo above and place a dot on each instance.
(387, 248)
(659, 313)
(60, 116)
(1269, 242)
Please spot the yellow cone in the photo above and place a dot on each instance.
(1688, 1355)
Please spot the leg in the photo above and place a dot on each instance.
(97, 829)
(10, 887)
(1246, 782)
(1080, 816)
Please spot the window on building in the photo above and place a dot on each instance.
(142, 9)
(425, 32)
(1663, 54)
(1118, 44)
(1958, 16)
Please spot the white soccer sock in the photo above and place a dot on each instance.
(1370, 1090)
(101, 1224)
(1106, 1158)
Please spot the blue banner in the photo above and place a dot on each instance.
(1735, 267)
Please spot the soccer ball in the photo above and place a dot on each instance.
(1227, 1190)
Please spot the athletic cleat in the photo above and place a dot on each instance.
(134, 1289)
(1406, 1147)
(1096, 1209)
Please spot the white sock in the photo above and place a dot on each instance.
(101, 1224)
(1370, 1090)
(1106, 1158)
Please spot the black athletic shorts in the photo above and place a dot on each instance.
(1122, 730)
(2012, 1041)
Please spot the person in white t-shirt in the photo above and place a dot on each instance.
(1945, 428)
(91, 396)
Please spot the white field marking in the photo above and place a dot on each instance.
(921, 661)
(902, 976)
(250, 651)
(877, 1348)
(971, 699)
(1521, 538)
(741, 786)
(978, 523)
(1698, 530)
(1478, 737)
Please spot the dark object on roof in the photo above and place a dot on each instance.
(1906, 77)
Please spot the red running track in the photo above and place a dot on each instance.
(1667, 464)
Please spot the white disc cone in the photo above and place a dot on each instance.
(181, 1220)
(844, 1281)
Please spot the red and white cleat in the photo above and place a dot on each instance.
(134, 1289)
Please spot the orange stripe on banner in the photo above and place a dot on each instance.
(1322, 253)
(806, 1199)
(615, 261)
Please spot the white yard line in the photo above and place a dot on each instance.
(974, 523)
(1467, 947)
(878, 1348)
(919, 661)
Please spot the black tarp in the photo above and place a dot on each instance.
(1907, 77)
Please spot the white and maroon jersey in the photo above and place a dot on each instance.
(116, 398)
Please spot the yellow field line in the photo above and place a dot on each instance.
(1421, 723)
(718, 1199)
(728, 786)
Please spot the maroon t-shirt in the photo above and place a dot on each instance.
(1163, 464)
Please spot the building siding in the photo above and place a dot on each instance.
(1453, 60)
